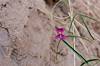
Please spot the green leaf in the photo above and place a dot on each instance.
(90, 61)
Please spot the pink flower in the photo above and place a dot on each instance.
(59, 30)
(60, 33)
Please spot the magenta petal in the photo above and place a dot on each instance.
(60, 36)
(59, 29)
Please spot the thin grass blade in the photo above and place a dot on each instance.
(86, 27)
(88, 17)
(72, 22)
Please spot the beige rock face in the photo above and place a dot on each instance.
(26, 36)
(24, 33)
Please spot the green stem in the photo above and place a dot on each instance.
(75, 51)
(74, 36)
